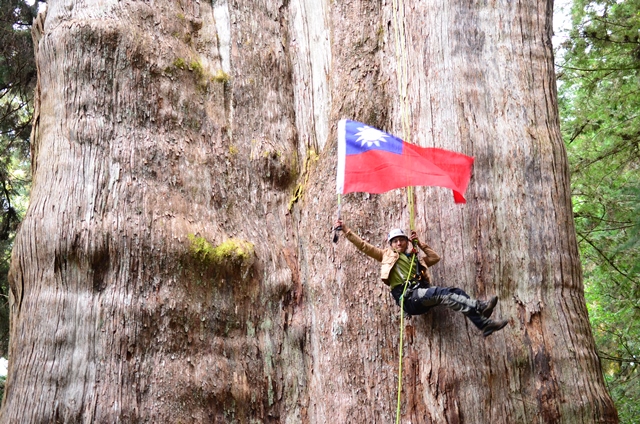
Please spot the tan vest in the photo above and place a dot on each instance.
(388, 256)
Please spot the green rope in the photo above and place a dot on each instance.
(410, 201)
(404, 290)
(401, 69)
(401, 72)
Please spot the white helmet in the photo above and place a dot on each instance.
(396, 232)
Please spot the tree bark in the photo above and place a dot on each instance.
(176, 264)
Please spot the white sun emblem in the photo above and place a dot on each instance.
(370, 136)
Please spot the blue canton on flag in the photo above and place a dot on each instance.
(361, 138)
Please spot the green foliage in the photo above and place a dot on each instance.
(17, 80)
(599, 99)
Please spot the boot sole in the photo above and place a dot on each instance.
(499, 327)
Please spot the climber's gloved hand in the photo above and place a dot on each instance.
(339, 226)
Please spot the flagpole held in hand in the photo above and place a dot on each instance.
(339, 227)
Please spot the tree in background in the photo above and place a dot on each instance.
(599, 91)
(17, 80)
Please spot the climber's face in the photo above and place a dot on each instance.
(399, 244)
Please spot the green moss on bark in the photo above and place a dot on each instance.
(233, 255)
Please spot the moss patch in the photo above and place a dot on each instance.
(180, 63)
(197, 69)
(233, 255)
(298, 192)
(220, 76)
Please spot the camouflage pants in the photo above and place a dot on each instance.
(420, 300)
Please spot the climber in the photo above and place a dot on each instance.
(398, 260)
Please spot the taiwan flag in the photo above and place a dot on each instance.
(373, 161)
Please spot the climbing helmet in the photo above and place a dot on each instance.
(396, 232)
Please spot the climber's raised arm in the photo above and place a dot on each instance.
(362, 245)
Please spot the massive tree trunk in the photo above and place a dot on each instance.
(176, 265)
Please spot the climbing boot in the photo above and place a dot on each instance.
(494, 326)
(485, 308)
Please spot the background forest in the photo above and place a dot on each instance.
(17, 82)
(598, 72)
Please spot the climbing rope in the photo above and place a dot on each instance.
(401, 70)
(404, 290)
